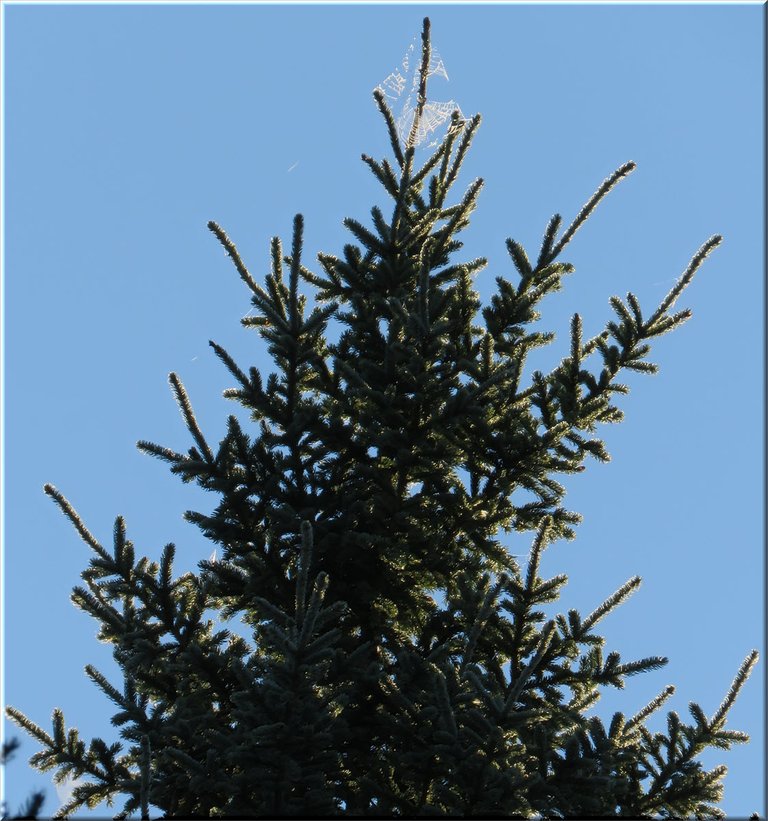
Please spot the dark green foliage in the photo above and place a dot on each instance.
(378, 471)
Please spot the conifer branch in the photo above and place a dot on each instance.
(161, 452)
(652, 327)
(426, 51)
(623, 593)
(231, 365)
(189, 416)
(718, 719)
(576, 346)
(467, 136)
(298, 230)
(542, 538)
(633, 667)
(101, 681)
(640, 717)
(229, 247)
(275, 285)
(441, 153)
(29, 726)
(546, 255)
(383, 173)
(394, 138)
(520, 259)
(69, 512)
(590, 206)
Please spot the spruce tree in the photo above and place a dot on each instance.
(400, 662)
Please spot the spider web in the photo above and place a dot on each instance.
(401, 88)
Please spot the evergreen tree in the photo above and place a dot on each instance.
(379, 472)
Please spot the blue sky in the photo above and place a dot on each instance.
(127, 128)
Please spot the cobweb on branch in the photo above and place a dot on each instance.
(401, 88)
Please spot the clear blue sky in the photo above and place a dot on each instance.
(128, 127)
